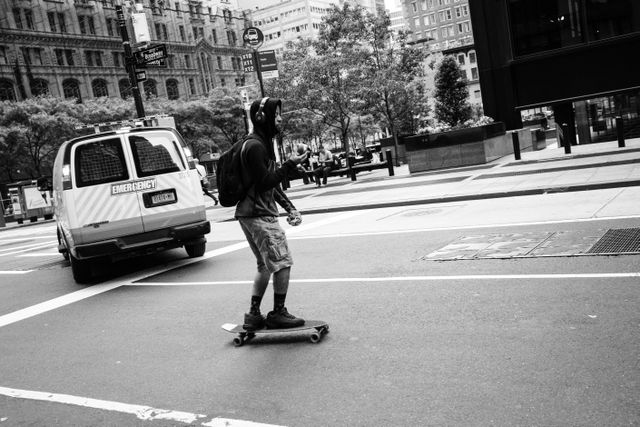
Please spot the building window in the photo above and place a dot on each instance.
(187, 61)
(610, 18)
(87, 25)
(32, 55)
(477, 94)
(7, 92)
(3, 55)
(414, 7)
(219, 61)
(64, 57)
(172, 89)
(99, 88)
(71, 89)
(93, 58)
(192, 86)
(472, 57)
(53, 26)
(474, 73)
(39, 87)
(215, 36)
(461, 59)
(28, 18)
(181, 30)
(150, 89)
(538, 26)
(125, 88)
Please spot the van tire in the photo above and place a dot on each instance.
(195, 250)
(81, 269)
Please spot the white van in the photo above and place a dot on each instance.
(127, 192)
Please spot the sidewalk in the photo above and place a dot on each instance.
(588, 167)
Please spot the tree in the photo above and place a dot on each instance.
(31, 132)
(396, 93)
(326, 75)
(451, 95)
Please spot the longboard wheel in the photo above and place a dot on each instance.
(238, 341)
(316, 337)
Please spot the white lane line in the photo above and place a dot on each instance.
(22, 239)
(142, 412)
(41, 254)
(26, 248)
(461, 227)
(10, 272)
(411, 279)
(67, 299)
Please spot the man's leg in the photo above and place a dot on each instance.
(325, 174)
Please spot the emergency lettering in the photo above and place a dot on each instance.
(130, 187)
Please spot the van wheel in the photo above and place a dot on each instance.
(196, 249)
(81, 269)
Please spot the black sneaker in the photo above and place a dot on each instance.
(282, 319)
(253, 322)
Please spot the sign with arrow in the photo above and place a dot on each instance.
(151, 55)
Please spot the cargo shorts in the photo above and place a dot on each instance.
(268, 242)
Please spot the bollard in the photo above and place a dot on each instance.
(389, 162)
(620, 131)
(565, 141)
(516, 144)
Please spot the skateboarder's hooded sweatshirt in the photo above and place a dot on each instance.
(261, 173)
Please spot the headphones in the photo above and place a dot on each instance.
(260, 116)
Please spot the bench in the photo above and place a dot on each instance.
(355, 168)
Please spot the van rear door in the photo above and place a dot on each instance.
(103, 203)
(173, 195)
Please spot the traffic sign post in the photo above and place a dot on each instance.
(130, 62)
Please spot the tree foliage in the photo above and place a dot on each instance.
(451, 94)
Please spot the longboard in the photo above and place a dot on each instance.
(320, 329)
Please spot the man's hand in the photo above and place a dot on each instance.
(298, 159)
(294, 218)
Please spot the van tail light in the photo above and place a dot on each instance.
(66, 177)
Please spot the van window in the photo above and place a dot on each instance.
(155, 154)
(100, 162)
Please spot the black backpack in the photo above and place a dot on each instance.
(231, 188)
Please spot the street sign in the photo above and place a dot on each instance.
(253, 37)
(247, 63)
(154, 53)
(268, 64)
(158, 63)
(141, 76)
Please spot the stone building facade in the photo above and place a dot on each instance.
(74, 48)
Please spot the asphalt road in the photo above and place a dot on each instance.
(507, 340)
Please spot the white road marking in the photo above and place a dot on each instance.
(411, 279)
(67, 299)
(10, 272)
(25, 248)
(460, 227)
(41, 254)
(146, 413)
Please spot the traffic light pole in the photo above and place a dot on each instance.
(130, 63)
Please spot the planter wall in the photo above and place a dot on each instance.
(462, 147)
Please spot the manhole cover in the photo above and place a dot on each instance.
(617, 241)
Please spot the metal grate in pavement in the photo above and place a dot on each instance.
(617, 241)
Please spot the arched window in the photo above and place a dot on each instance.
(7, 91)
(150, 89)
(39, 87)
(99, 87)
(71, 89)
(125, 88)
(172, 89)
